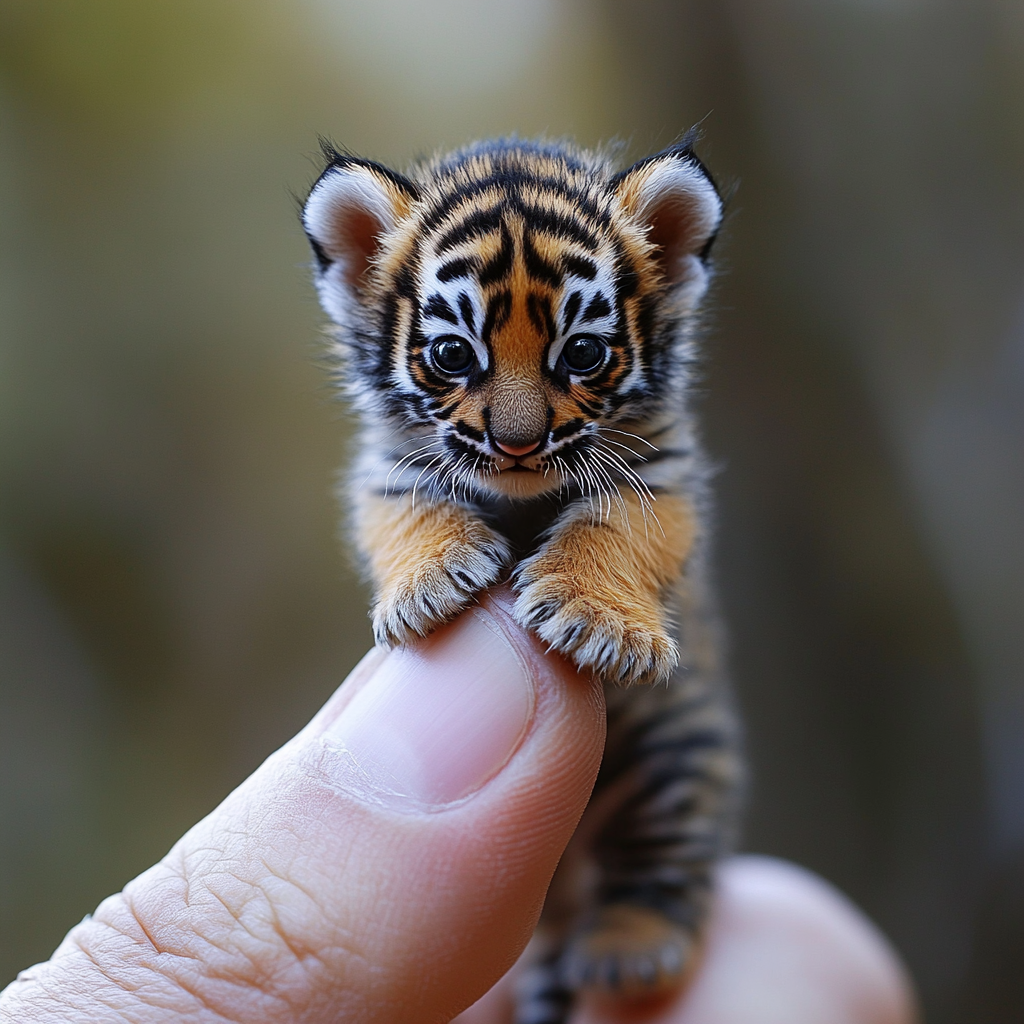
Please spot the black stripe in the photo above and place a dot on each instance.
(536, 266)
(566, 429)
(466, 309)
(572, 307)
(500, 265)
(627, 278)
(579, 266)
(476, 225)
(539, 309)
(509, 180)
(551, 222)
(461, 194)
(437, 305)
(463, 428)
(678, 746)
(597, 308)
(461, 267)
(498, 309)
(646, 318)
(593, 409)
(460, 447)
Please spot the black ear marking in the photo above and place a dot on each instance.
(681, 149)
(336, 158)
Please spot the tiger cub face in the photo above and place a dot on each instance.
(514, 304)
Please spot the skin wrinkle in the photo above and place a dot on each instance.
(167, 967)
(257, 973)
(62, 998)
(136, 988)
(300, 959)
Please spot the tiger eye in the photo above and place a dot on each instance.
(583, 354)
(452, 354)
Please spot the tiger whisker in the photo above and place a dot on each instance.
(595, 485)
(567, 474)
(464, 477)
(626, 433)
(438, 458)
(411, 457)
(373, 468)
(624, 447)
(646, 496)
(454, 475)
(584, 476)
(614, 493)
(625, 468)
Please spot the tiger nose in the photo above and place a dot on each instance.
(517, 450)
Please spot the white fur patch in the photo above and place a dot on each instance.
(680, 180)
(674, 186)
(340, 193)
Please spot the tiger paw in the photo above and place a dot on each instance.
(418, 596)
(630, 952)
(617, 634)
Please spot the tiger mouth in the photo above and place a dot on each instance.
(515, 464)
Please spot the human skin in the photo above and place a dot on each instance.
(389, 863)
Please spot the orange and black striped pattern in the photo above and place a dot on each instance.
(515, 323)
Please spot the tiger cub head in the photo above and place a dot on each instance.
(512, 301)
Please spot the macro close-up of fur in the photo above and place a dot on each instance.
(516, 324)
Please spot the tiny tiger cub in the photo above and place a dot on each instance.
(516, 326)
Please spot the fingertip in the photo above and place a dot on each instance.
(487, 789)
(783, 947)
(808, 941)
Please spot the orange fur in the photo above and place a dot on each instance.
(610, 573)
(427, 560)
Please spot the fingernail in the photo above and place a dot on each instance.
(439, 719)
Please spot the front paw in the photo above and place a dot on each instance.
(619, 635)
(432, 589)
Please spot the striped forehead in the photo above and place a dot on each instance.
(470, 262)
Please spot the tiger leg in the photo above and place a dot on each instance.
(594, 590)
(541, 995)
(670, 776)
(428, 560)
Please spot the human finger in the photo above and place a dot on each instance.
(389, 863)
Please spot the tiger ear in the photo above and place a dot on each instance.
(351, 207)
(673, 197)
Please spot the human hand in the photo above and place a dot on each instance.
(389, 863)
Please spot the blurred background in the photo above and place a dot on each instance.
(173, 600)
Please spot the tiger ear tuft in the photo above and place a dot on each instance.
(351, 207)
(673, 197)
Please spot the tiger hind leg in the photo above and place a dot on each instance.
(542, 996)
(672, 769)
(628, 951)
